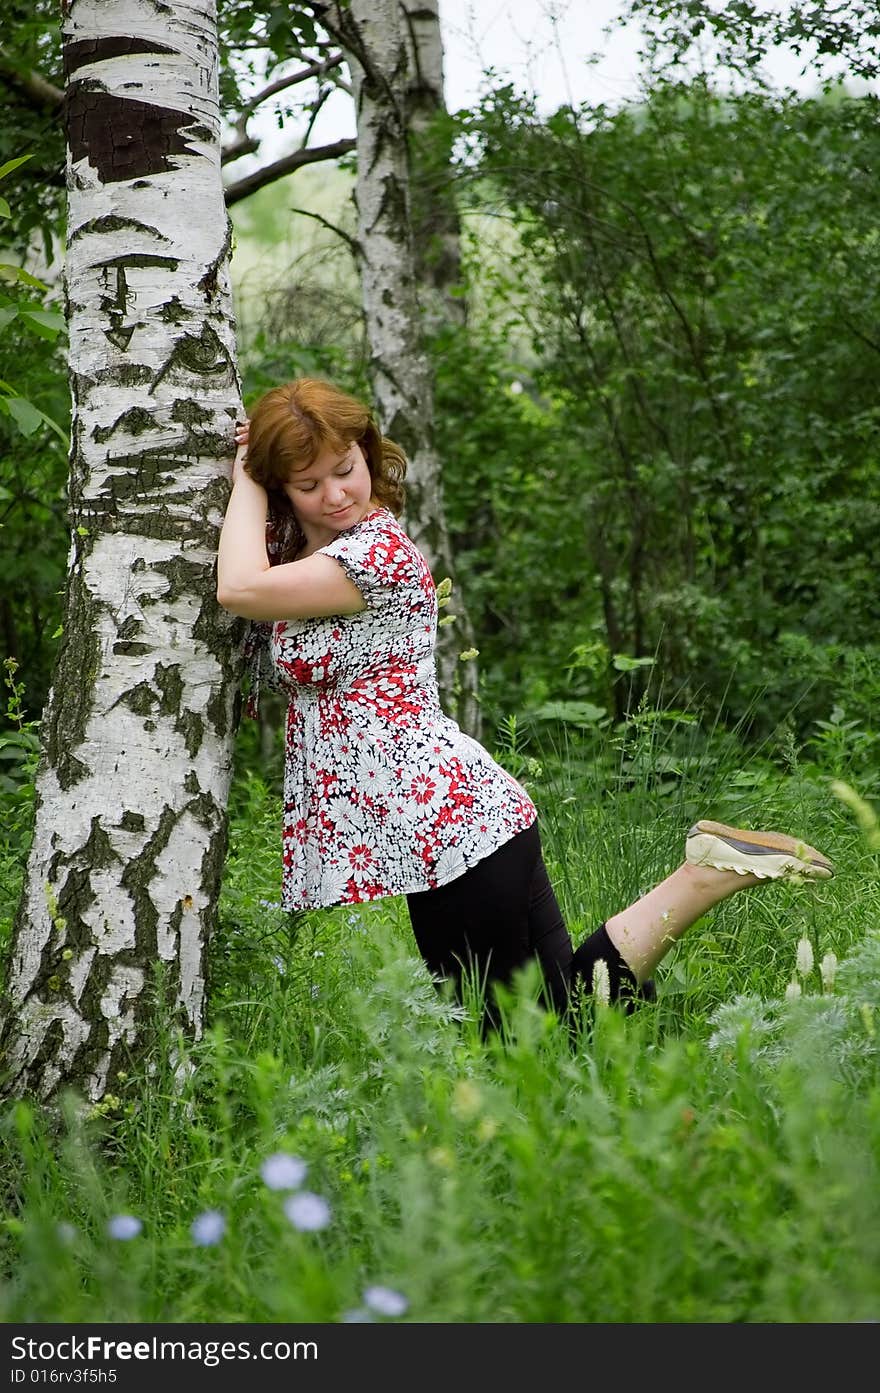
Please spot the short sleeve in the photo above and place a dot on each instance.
(377, 556)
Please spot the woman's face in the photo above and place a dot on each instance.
(331, 494)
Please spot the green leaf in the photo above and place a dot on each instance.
(47, 323)
(7, 314)
(5, 210)
(623, 663)
(16, 273)
(24, 414)
(29, 418)
(577, 713)
(10, 165)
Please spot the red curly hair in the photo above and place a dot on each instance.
(291, 425)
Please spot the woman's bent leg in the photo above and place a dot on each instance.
(478, 924)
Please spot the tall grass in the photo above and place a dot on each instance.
(712, 1158)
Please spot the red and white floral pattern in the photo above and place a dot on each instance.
(383, 793)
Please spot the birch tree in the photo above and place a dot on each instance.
(435, 221)
(129, 838)
(375, 37)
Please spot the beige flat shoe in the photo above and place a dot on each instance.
(768, 855)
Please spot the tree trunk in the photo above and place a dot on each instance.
(374, 36)
(130, 834)
(435, 220)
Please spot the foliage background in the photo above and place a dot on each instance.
(659, 428)
(659, 425)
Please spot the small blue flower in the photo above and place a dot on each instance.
(124, 1227)
(307, 1211)
(281, 1171)
(385, 1301)
(208, 1228)
(357, 1316)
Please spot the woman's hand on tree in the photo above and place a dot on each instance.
(242, 433)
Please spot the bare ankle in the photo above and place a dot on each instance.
(717, 884)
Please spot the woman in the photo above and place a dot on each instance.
(383, 793)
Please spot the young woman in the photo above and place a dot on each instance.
(383, 793)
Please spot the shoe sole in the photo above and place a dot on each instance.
(767, 855)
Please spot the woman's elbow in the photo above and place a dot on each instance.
(229, 599)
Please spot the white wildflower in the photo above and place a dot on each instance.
(208, 1228)
(307, 1211)
(124, 1227)
(282, 1171)
(828, 970)
(793, 990)
(804, 960)
(601, 982)
(385, 1301)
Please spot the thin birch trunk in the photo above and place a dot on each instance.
(130, 829)
(374, 36)
(435, 221)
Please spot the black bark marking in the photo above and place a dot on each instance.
(208, 282)
(118, 303)
(151, 474)
(192, 727)
(114, 223)
(134, 422)
(190, 413)
(141, 699)
(173, 311)
(130, 648)
(203, 355)
(82, 51)
(123, 138)
(52, 1044)
(170, 685)
(72, 693)
(120, 337)
(137, 876)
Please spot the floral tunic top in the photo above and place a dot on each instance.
(383, 793)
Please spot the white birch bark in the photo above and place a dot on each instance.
(374, 36)
(435, 221)
(129, 838)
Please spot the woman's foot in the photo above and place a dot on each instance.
(766, 855)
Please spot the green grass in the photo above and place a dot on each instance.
(712, 1158)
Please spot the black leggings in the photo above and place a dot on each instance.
(501, 914)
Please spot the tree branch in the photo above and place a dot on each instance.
(260, 177)
(40, 93)
(316, 69)
(352, 243)
(242, 145)
(859, 334)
